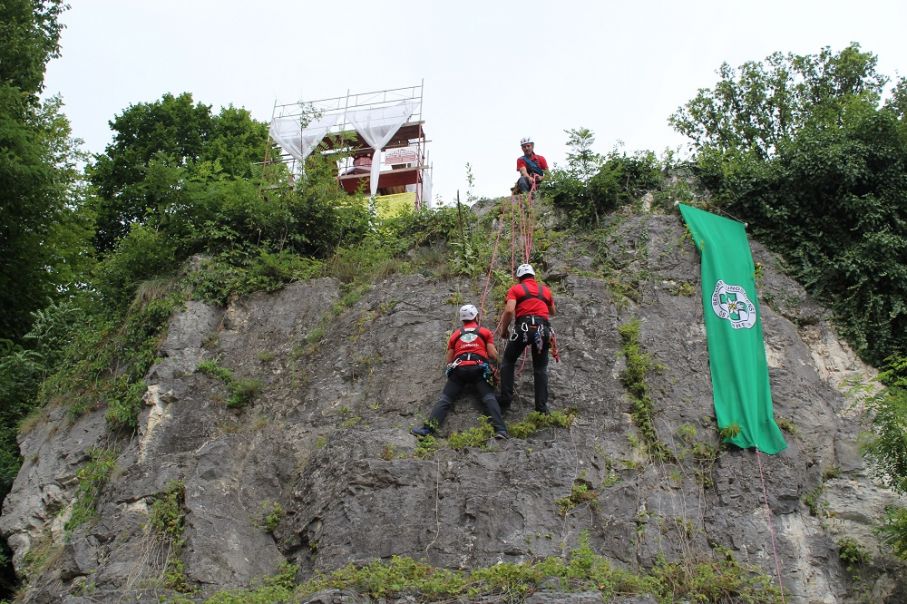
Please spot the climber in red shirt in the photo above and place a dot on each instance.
(531, 167)
(531, 305)
(469, 352)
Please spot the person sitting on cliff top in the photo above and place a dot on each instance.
(532, 167)
(469, 350)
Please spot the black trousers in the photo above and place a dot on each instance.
(539, 368)
(525, 184)
(457, 380)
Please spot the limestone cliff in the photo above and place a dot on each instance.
(319, 469)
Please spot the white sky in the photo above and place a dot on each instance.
(494, 71)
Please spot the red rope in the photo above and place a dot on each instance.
(771, 525)
(525, 233)
(523, 236)
(513, 205)
(529, 233)
(494, 257)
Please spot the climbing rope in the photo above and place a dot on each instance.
(771, 525)
(494, 257)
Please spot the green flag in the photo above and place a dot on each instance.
(733, 325)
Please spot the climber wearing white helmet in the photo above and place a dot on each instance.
(531, 167)
(469, 350)
(532, 305)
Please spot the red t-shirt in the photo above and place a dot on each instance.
(470, 342)
(538, 159)
(530, 306)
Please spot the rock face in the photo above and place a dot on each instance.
(341, 384)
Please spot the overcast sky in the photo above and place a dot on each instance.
(493, 71)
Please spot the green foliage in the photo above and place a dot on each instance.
(582, 162)
(380, 253)
(167, 517)
(761, 104)
(719, 580)
(705, 452)
(214, 369)
(633, 377)
(92, 477)
(124, 404)
(716, 580)
(831, 472)
(31, 37)
(581, 492)
(242, 391)
(386, 579)
(812, 499)
(713, 580)
(473, 437)
(426, 447)
(271, 513)
(277, 589)
(389, 452)
(618, 180)
(40, 555)
(800, 148)
(108, 355)
(787, 425)
(852, 554)
(167, 136)
(219, 278)
(887, 448)
(687, 433)
(178, 181)
(21, 371)
(43, 228)
(166, 524)
(536, 421)
(729, 432)
(894, 531)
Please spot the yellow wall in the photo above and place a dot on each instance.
(391, 206)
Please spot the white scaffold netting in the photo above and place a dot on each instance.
(426, 189)
(377, 127)
(296, 140)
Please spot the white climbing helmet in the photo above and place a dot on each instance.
(468, 312)
(524, 269)
(526, 140)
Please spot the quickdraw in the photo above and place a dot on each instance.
(538, 333)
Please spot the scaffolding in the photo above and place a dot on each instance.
(344, 129)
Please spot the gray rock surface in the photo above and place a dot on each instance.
(327, 439)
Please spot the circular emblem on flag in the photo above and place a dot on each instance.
(468, 337)
(730, 302)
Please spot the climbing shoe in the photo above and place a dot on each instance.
(501, 436)
(422, 431)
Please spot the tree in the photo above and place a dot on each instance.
(29, 37)
(581, 159)
(175, 132)
(42, 226)
(754, 108)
